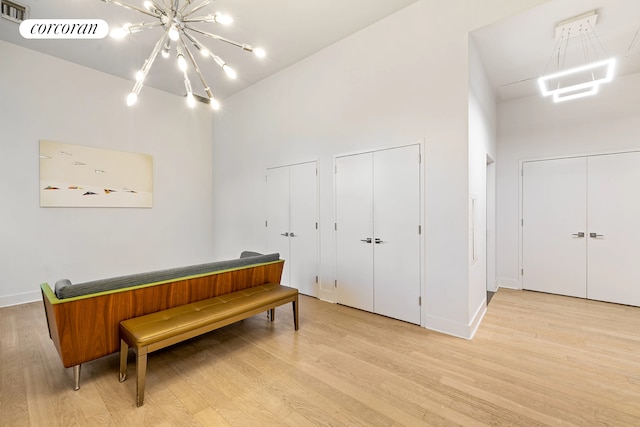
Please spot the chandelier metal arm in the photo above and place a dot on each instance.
(244, 46)
(185, 5)
(194, 42)
(158, 9)
(149, 62)
(132, 7)
(206, 18)
(198, 72)
(197, 8)
(136, 28)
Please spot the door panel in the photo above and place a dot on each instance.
(303, 232)
(396, 218)
(354, 218)
(614, 211)
(554, 209)
(278, 217)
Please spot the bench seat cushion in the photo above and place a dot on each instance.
(151, 328)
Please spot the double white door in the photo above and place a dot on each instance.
(378, 232)
(581, 230)
(292, 223)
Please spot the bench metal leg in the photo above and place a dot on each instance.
(141, 373)
(295, 313)
(76, 377)
(272, 314)
(124, 352)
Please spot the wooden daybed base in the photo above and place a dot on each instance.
(86, 327)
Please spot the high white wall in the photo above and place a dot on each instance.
(535, 127)
(42, 97)
(400, 81)
(482, 143)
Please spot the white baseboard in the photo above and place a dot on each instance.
(509, 283)
(457, 329)
(17, 299)
(477, 318)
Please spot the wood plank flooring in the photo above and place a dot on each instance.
(536, 359)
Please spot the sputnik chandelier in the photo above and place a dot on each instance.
(176, 17)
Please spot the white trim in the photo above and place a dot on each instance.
(460, 330)
(503, 282)
(17, 299)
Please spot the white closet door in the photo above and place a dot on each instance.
(396, 218)
(278, 217)
(354, 217)
(303, 235)
(554, 212)
(614, 215)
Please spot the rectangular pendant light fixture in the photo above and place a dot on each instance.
(577, 82)
(581, 81)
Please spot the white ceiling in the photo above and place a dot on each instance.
(289, 30)
(515, 51)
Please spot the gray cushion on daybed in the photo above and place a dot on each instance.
(65, 289)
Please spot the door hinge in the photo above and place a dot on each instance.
(420, 301)
(419, 229)
(522, 172)
(419, 158)
(316, 225)
(335, 226)
(265, 224)
(316, 279)
(335, 283)
(316, 171)
(522, 271)
(335, 169)
(522, 223)
(266, 178)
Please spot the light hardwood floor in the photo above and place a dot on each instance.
(536, 359)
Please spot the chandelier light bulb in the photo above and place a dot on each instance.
(215, 105)
(182, 63)
(132, 98)
(204, 51)
(191, 100)
(148, 5)
(231, 73)
(119, 33)
(140, 76)
(165, 53)
(259, 52)
(223, 19)
(174, 34)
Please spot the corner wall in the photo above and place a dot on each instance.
(482, 144)
(402, 80)
(46, 98)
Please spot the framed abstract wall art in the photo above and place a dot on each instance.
(79, 176)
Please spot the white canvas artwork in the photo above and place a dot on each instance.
(79, 176)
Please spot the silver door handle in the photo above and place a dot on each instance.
(292, 235)
(578, 234)
(367, 240)
(595, 236)
(378, 241)
(284, 234)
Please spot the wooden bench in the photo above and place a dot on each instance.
(154, 331)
